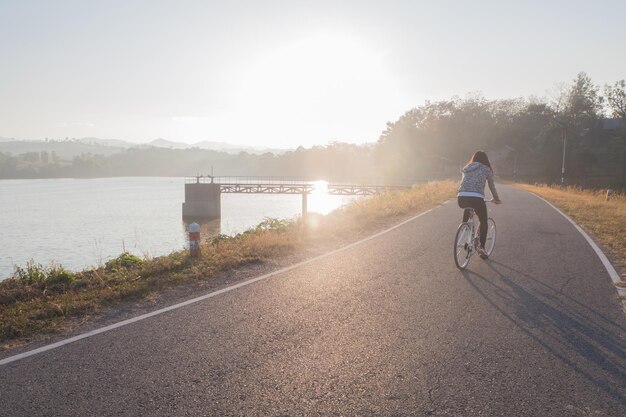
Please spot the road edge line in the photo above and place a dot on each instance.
(613, 274)
(176, 306)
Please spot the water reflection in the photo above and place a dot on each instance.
(320, 201)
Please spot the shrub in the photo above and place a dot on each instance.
(125, 260)
(32, 274)
(56, 274)
(271, 225)
(43, 276)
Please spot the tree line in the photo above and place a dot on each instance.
(525, 138)
(338, 161)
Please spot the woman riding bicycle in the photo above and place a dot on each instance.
(472, 192)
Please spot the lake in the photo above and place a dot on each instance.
(85, 222)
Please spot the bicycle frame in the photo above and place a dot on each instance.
(470, 243)
(474, 237)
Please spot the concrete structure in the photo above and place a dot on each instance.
(203, 202)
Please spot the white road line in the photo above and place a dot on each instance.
(203, 297)
(603, 258)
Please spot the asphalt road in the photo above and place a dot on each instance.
(388, 327)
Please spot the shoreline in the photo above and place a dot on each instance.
(96, 220)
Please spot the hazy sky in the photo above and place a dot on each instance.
(282, 73)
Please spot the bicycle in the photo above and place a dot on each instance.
(467, 239)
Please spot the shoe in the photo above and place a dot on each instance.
(482, 252)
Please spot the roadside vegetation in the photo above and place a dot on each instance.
(42, 299)
(605, 220)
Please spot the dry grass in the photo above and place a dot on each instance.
(368, 214)
(605, 220)
(42, 300)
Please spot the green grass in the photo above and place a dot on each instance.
(47, 299)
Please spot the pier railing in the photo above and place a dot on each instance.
(355, 189)
(374, 183)
(202, 179)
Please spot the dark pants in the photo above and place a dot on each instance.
(479, 206)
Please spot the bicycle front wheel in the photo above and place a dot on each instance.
(490, 243)
(463, 245)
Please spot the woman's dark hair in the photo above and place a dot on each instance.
(480, 156)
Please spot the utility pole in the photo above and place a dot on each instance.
(563, 164)
(564, 126)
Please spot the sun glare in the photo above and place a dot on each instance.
(321, 202)
(311, 68)
(320, 83)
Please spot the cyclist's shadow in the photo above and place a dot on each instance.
(585, 341)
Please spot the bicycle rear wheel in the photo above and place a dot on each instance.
(463, 245)
(490, 243)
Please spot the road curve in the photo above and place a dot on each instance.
(388, 327)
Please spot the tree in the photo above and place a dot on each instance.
(616, 99)
(583, 104)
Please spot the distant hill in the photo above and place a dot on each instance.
(164, 143)
(70, 148)
(207, 144)
(108, 142)
(214, 146)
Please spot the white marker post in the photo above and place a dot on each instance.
(194, 240)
